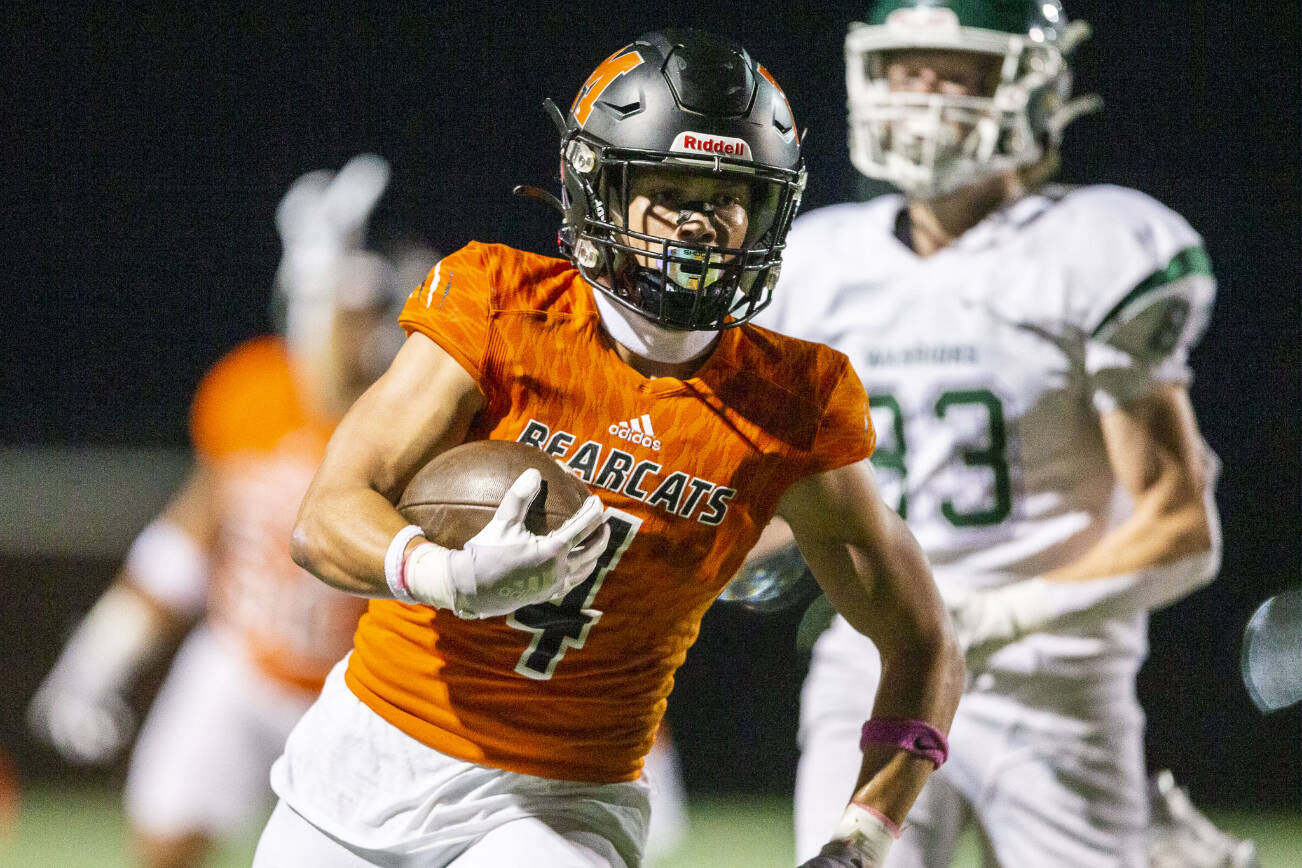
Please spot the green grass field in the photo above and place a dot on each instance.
(62, 828)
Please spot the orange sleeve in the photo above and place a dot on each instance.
(845, 433)
(246, 401)
(452, 307)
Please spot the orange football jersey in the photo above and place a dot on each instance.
(690, 471)
(262, 446)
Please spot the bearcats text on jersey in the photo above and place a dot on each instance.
(677, 493)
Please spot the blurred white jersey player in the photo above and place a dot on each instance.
(218, 554)
(1026, 355)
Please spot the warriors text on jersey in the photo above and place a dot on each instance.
(261, 445)
(689, 471)
(988, 364)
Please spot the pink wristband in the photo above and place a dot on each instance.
(916, 736)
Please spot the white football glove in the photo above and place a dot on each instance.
(85, 726)
(325, 207)
(321, 217)
(838, 854)
(505, 566)
(986, 619)
(81, 708)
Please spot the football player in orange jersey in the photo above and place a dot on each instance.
(500, 697)
(218, 553)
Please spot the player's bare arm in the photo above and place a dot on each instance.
(1158, 456)
(421, 406)
(876, 576)
(178, 541)
(81, 706)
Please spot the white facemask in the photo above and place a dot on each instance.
(644, 338)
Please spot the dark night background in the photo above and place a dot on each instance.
(148, 149)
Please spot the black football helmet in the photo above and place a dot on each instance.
(679, 101)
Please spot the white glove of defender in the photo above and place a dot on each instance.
(504, 566)
(986, 619)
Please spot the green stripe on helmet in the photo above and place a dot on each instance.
(1006, 16)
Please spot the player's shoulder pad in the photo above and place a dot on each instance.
(1146, 282)
(803, 371)
(801, 393)
(502, 277)
(820, 246)
(831, 223)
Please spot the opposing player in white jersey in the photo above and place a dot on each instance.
(1026, 355)
(218, 554)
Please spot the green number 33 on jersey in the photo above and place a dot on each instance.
(986, 454)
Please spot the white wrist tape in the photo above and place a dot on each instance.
(393, 563)
(428, 576)
(167, 564)
(868, 831)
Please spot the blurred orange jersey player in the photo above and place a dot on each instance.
(217, 557)
(259, 442)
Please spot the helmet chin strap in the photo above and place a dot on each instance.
(644, 338)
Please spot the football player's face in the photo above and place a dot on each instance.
(691, 208)
(949, 73)
(921, 76)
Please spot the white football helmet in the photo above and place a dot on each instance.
(930, 144)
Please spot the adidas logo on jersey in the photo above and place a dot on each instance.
(637, 431)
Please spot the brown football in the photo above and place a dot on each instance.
(455, 495)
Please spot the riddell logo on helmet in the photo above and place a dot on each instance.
(703, 143)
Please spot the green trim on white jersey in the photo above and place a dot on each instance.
(1190, 261)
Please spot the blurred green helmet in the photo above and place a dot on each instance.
(931, 143)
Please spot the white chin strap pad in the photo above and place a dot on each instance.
(644, 338)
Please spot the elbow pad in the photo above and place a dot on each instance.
(168, 565)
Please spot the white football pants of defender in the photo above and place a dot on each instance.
(1050, 768)
(669, 821)
(202, 758)
(357, 791)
